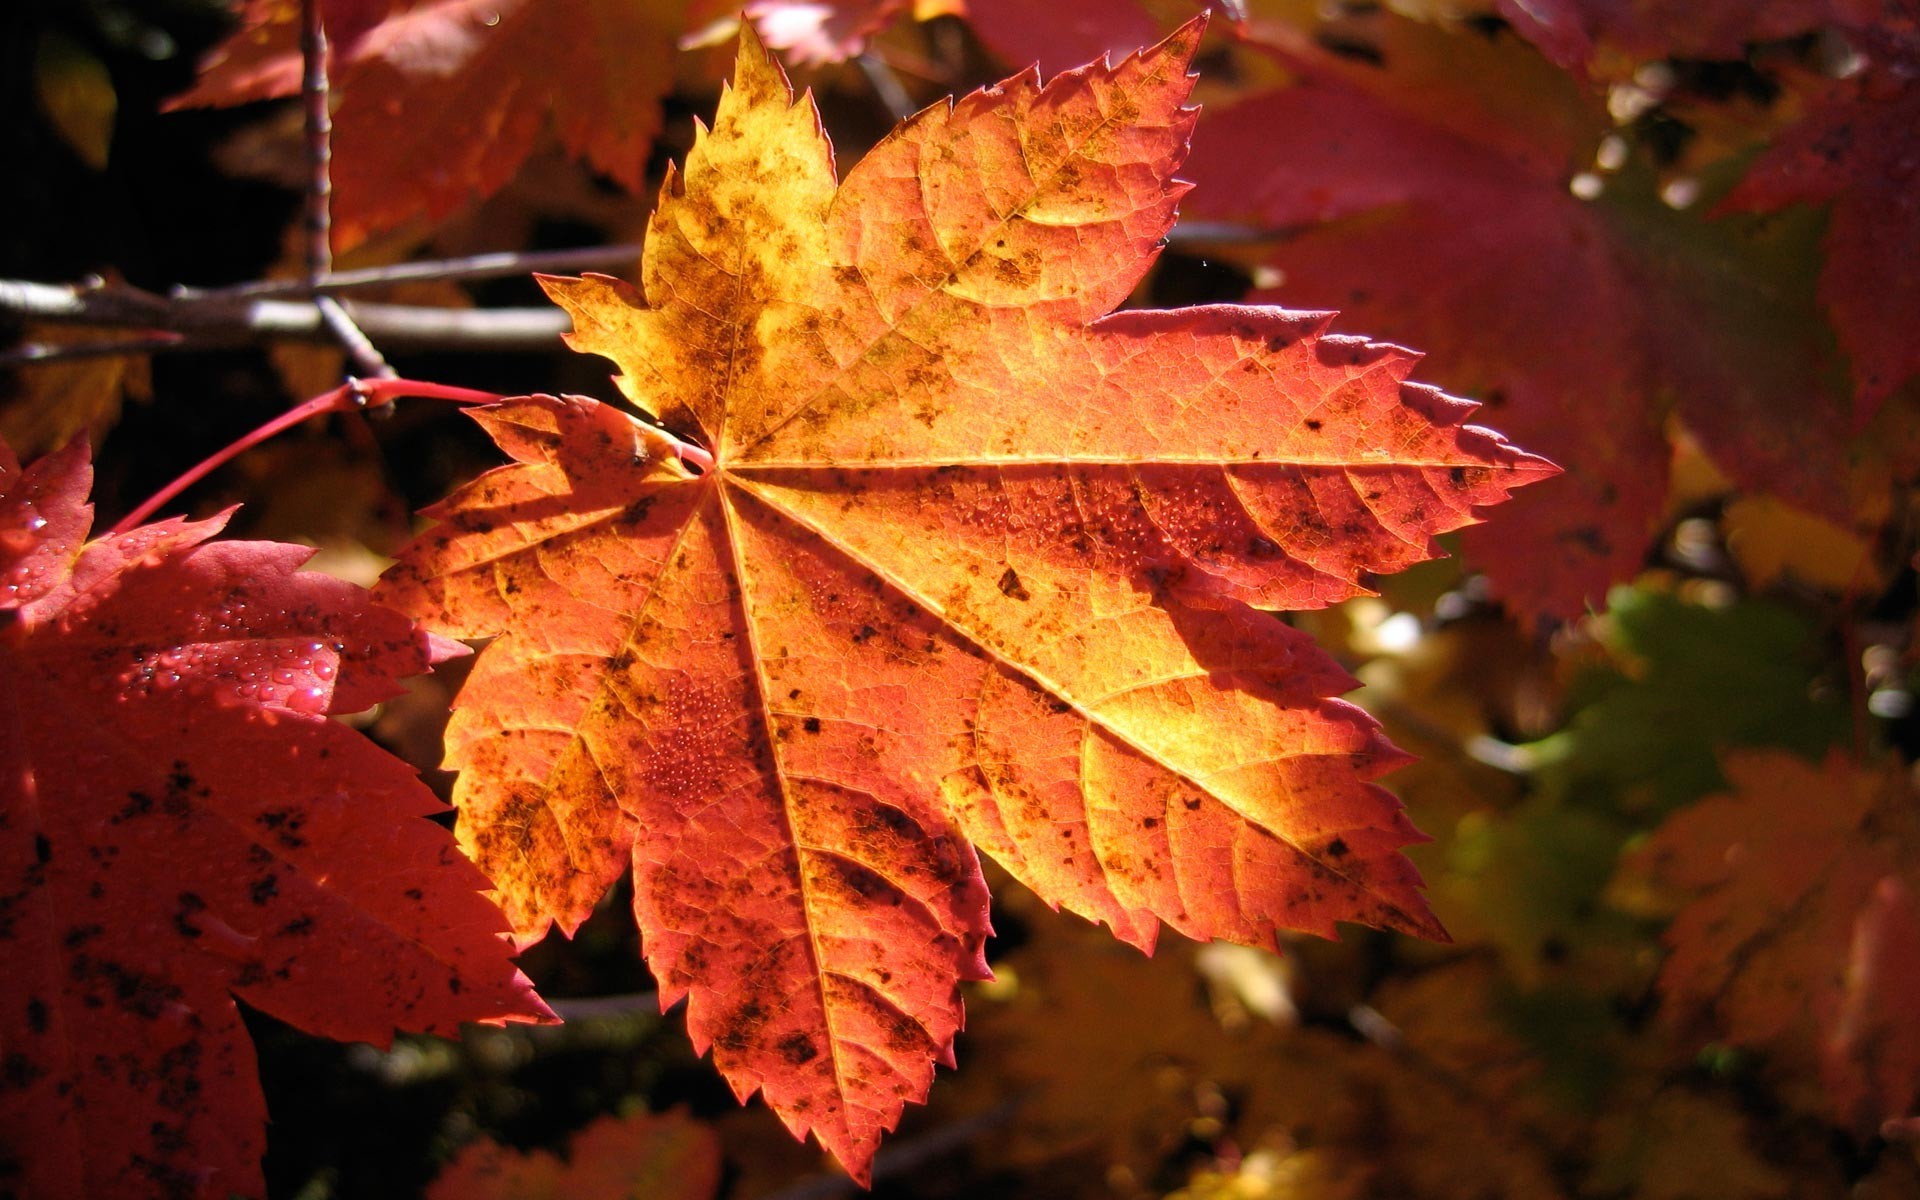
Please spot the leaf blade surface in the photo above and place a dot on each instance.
(959, 576)
(181, 825)
(440, 99)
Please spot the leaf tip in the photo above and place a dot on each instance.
(1184, 42)
(756, 72)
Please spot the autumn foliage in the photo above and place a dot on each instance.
(906, 609)
(1016, 503)
(184, 826)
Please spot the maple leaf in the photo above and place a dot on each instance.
(443, 100)
(1569, 31)
(1431, 194)
(346, 21)
(974, 565)
(48, 404)
(1115, 1061)
(180, 824)
(1684, 683)
(1857, 154)
(668, 1156)
(1801, 930)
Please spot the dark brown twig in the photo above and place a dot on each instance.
(319, 130)
(887, 86)
(206, 320)
(27, 354)
(493, 265)
(367, 361)
(365, 358)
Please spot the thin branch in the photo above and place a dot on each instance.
(367, 361)
(246, 314)
(364, 358)
(407, 326)
(91, 303)
(887, 86)
(1227, 233)
(319, 130)
(494, 265)
(207, 320)
(27, 354)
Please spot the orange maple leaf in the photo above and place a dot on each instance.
(662, 1156)
(1801, 930)
(973, 565)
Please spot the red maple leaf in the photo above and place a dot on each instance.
(181, 824)
(973, 563)
(1859, 152)
(1569, 31)
(347, 20)
(443, 100)
(1427, 195)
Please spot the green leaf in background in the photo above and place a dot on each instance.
(1686, 681)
